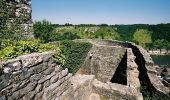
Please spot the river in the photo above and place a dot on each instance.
(161, 60)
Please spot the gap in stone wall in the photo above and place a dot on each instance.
(147, 89)
(120, 75)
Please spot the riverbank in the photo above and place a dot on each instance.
(159, 52)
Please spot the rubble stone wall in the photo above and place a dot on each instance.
(37, 76)
(34, 76)
(23, 14)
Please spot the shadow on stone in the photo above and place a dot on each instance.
(120, 75)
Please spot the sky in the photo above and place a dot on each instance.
(102, 11)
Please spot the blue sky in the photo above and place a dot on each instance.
(102, 11)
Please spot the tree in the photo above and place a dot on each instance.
(43, 30)
(63, 36)
(142, 37)
(161, 44)
(106, 33)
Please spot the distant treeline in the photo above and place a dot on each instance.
(148, 36)
(159, 31)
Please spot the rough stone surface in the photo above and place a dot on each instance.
(102, 61)
(80, 89)
(37, 77)
(23, 12)
(32, 77)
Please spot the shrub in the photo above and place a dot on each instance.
(13, 50)
(63, 36)
(75, 53)
(43, 30)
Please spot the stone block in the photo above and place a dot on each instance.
(38, 68)
(46, 83)
(14, 64)
(39, 96)
(25, 74)
(3, 98)
(29, 96)
(31, 86)
(46, 77)
(49, 70)
(54, 79)
(68, 76)
(20, 85)
(38, 88)
(15, 96)
(58, 68)
(36, 77)
(4, 83)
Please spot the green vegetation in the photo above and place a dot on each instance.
(142, 34)
(106, 33)
(14, 49)
(75, 53)
(161, 44)
(9, 27)
(4, 14)
(142, 37)
(152, 94)
(43, 30)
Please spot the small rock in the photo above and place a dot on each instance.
(7, 70)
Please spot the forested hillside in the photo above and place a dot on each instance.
(148, 36)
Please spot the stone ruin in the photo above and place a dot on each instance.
(23, 11)
(112, 70)
(121, 69)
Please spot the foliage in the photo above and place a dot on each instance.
(5, 43)
(9, 29)
(126, 31)
(75, 53)
(12, 50)
(161, 31)
(4, 14)
(106, 33)
(152, 94)
(64, 36)
(43, 30)
(142, 37)
(102, 32)
(12, 30)
(161, 44)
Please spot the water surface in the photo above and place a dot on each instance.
(161, 59)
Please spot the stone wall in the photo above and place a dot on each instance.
(37, 76)
(102, 61)
(148, 70)
(141, 71)
(115, 91)
(34, 76)
(23, 13)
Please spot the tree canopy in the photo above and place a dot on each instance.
(42, 30)
(142, 37)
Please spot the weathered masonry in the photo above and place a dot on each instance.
(23, 13)
(112, 70)
(123, 70)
